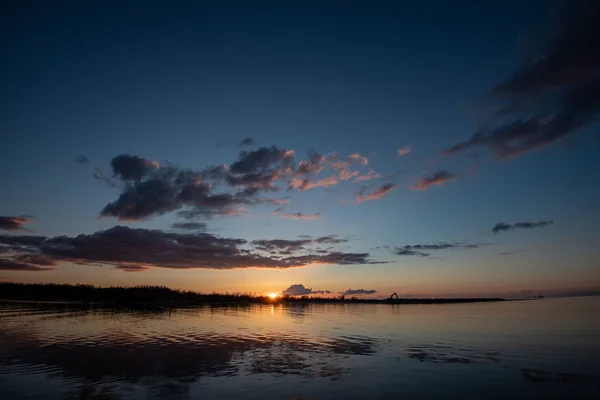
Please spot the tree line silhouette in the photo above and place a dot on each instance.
(163, 295)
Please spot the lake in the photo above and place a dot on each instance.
(547, 348)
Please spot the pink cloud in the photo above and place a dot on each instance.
(377, 194)
(404, 150)
(305, 184)
(368, 176)
(278, 202)
(316, 163)
(356, 157)
(343, 167)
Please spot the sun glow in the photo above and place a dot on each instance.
(273, 295)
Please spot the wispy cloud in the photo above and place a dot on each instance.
(366, 177)
(297, 216)
(247, 142)
(286, 245)
(279, 202)
(99, 175)
(377, 194)
(404, 150)
(511, 252)
(502, 226)
(132, 268)
(351, 292)
(423, 250)
(550, 97)
(13, 265)
(305, 184)
(437, 178)
(82, 160)
(189, 226)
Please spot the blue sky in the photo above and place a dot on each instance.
(183, 85)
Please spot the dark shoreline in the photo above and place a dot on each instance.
(161, 304)
(157, 296)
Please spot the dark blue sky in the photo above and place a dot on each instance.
(182, 85)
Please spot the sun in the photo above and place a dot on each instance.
(273, 295)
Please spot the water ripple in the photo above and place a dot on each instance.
(97, 353)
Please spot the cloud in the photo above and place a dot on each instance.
(358, 291)
(132, 168)
(442, 246)
(189, 226)
(502, 226)
(555, 95)
(296, 290)
(163, 190)
(377, 194)
(35, 259)
(437, 178)
(124, 246)
(305, 174)
(313, 166)
(132, 268)
(343, 169)
(297, 216)
(247, 142)
(13, 224)
(82, 160)
(366, 177)
(99, 175)
(258, 170)
(331, 239)
(255, 181)
(21, 242)
(260, 159)
(420, 249)
(404, 150)
(145, 199)
(507, 253)
(149, 190)
(405, 252)
(300, 290)
(295, 245)
(13, 265)
(305, 184)
(357, 158)
(279, 202)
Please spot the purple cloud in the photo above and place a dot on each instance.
(438, 178)
(123, 246)
(377, 194)
(13, 224)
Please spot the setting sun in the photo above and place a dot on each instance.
(273, 295)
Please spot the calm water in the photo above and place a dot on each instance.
(529, 349)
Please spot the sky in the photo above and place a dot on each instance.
(364, 148)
